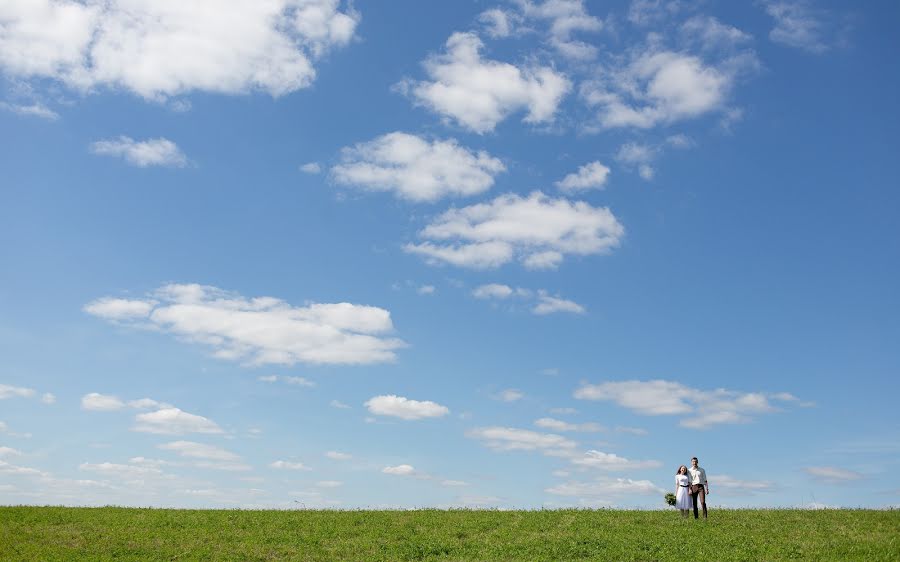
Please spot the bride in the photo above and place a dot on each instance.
(682, 494)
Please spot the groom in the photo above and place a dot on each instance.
(699, 486)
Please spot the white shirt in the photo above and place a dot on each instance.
(698, 476)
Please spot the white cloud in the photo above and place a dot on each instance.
(7, 468)
(647, 12)
(9, 452)
(194, 450)
(592, 175)
(662, 87)
(33, 110)
(630, 430)
(400, 470)
(120, 470)
(266, 330)
(164, 48)
(404, 408)
(510, 395)
(101, 402)
(612, 462)
(151, 152)
(426, 290)
(549, 305)
(172, 421)
(338, 404)
(338, 456)
(499, 23)
(311, 168)
(559, 425)
(454, 483)
(660, 397)
(832, 474)
(492, 291)
(295, 381)
(536, 229)
(7, 391)
(289, 465)
(729, 486)
(797, 25)
(711, 33)
(679, 141)
(514, 439)
(417, 169)
(565, 17)
(48, 398)
(478, 93)
(119, 309)
(635, 153)
(606, 488)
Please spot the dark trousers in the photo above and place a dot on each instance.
(699, 497)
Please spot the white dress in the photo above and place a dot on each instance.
(683, 495)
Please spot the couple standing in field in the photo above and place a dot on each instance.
(691, 489)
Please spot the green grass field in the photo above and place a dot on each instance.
(54, 533)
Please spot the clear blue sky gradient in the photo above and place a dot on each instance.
(762, 258)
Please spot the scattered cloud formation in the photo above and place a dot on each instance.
(592, 175)
(729, 486)
(537, 230)
(8, 391)
(194, 450)
(710, 33)
(660, 87)
(101, 402)
(559, 425)
(549, 305)
(400, 470)
(161, 49)
(514, 439)
(565, 18)
(705, 408)
(152, 152)
(639, 156)
(510, 395)
(295, 381)
(492, 291)
(338, 404)
(479, 93)
(608, 490)
(404, 408)
(338, 456)
(417, 169)
(612, 462)
(798, 25)
(260, 330)
(32, 110)
(289, 465)
(832, 474)
(172, 421)
(311, 168)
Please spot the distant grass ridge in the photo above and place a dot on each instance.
(60, 533)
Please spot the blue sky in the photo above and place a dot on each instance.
(487, 254)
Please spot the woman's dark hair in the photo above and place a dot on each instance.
(679, 469)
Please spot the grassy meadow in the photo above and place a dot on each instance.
(58, 533)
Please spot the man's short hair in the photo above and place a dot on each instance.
(695, 459)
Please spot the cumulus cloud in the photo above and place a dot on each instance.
(262, 330)
(8, 391)
(537, 230)
(172, 421)
(705, 408)
(514, 439)
(194, 450)
(101, 402)
(151, 152)
(612, 462)
(648, 12)
(479, 93)
(311, 168)
(797, 25)
(499, 23)
(163, 48)
(417, 169)
(710, 33)
(404, 408)
(510, 395)
(592, 175)
(604, 488)
(492, 291)
(549, 305)
(832, 474)
(338, 456)
(32, 110)
(400, 470)
(638, 155)
(9, 452)
(560, 425)
(289, 465)
(565, 18)
(661, 87)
